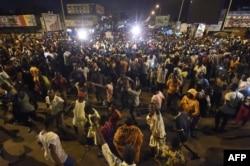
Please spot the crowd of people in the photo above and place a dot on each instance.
(186, 76)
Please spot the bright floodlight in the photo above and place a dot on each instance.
(82, 34)
(136, 30)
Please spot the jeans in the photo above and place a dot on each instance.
(69, 161)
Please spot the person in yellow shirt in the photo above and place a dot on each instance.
(173, 89)
(190, 105)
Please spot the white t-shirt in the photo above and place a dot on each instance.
(111, 158)
(51, 138)
(56, 105)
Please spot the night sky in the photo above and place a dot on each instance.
(136, 8)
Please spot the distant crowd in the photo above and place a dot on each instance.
(189, 78)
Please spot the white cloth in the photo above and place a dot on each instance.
(231, 96)
(56, 105)
(51, 138)
(161, 75)
(91, 132)
(111, 158)
(136, 95)
(157, 127)
(109, 92)
(79, 118)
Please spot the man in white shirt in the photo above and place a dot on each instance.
(233, 100)
(54, 108)
(51, 144)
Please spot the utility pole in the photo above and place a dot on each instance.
(63, 14)
(228, 10)
(182, 2)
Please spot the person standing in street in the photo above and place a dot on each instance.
(79, 117)
(52, 146)
(128, 153)
(190, 105)
(233, 100)
(27, 107)
(157, 127)
(244, 113)
(55, 105)
(135, 97)
(182, 124)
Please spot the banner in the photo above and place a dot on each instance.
(18, 21)
(99, 9)
(214, 27)
(79, 23)
(238, 19)
(51, 22)
(200, 30)
(161, 21)
(82, 21)
(82, 8)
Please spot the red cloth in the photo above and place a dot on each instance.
(244, 113)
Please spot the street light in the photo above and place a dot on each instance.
(158, 7)
(136, 30)
(153, 12)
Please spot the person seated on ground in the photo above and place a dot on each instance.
(128, 153)
(171, 155)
